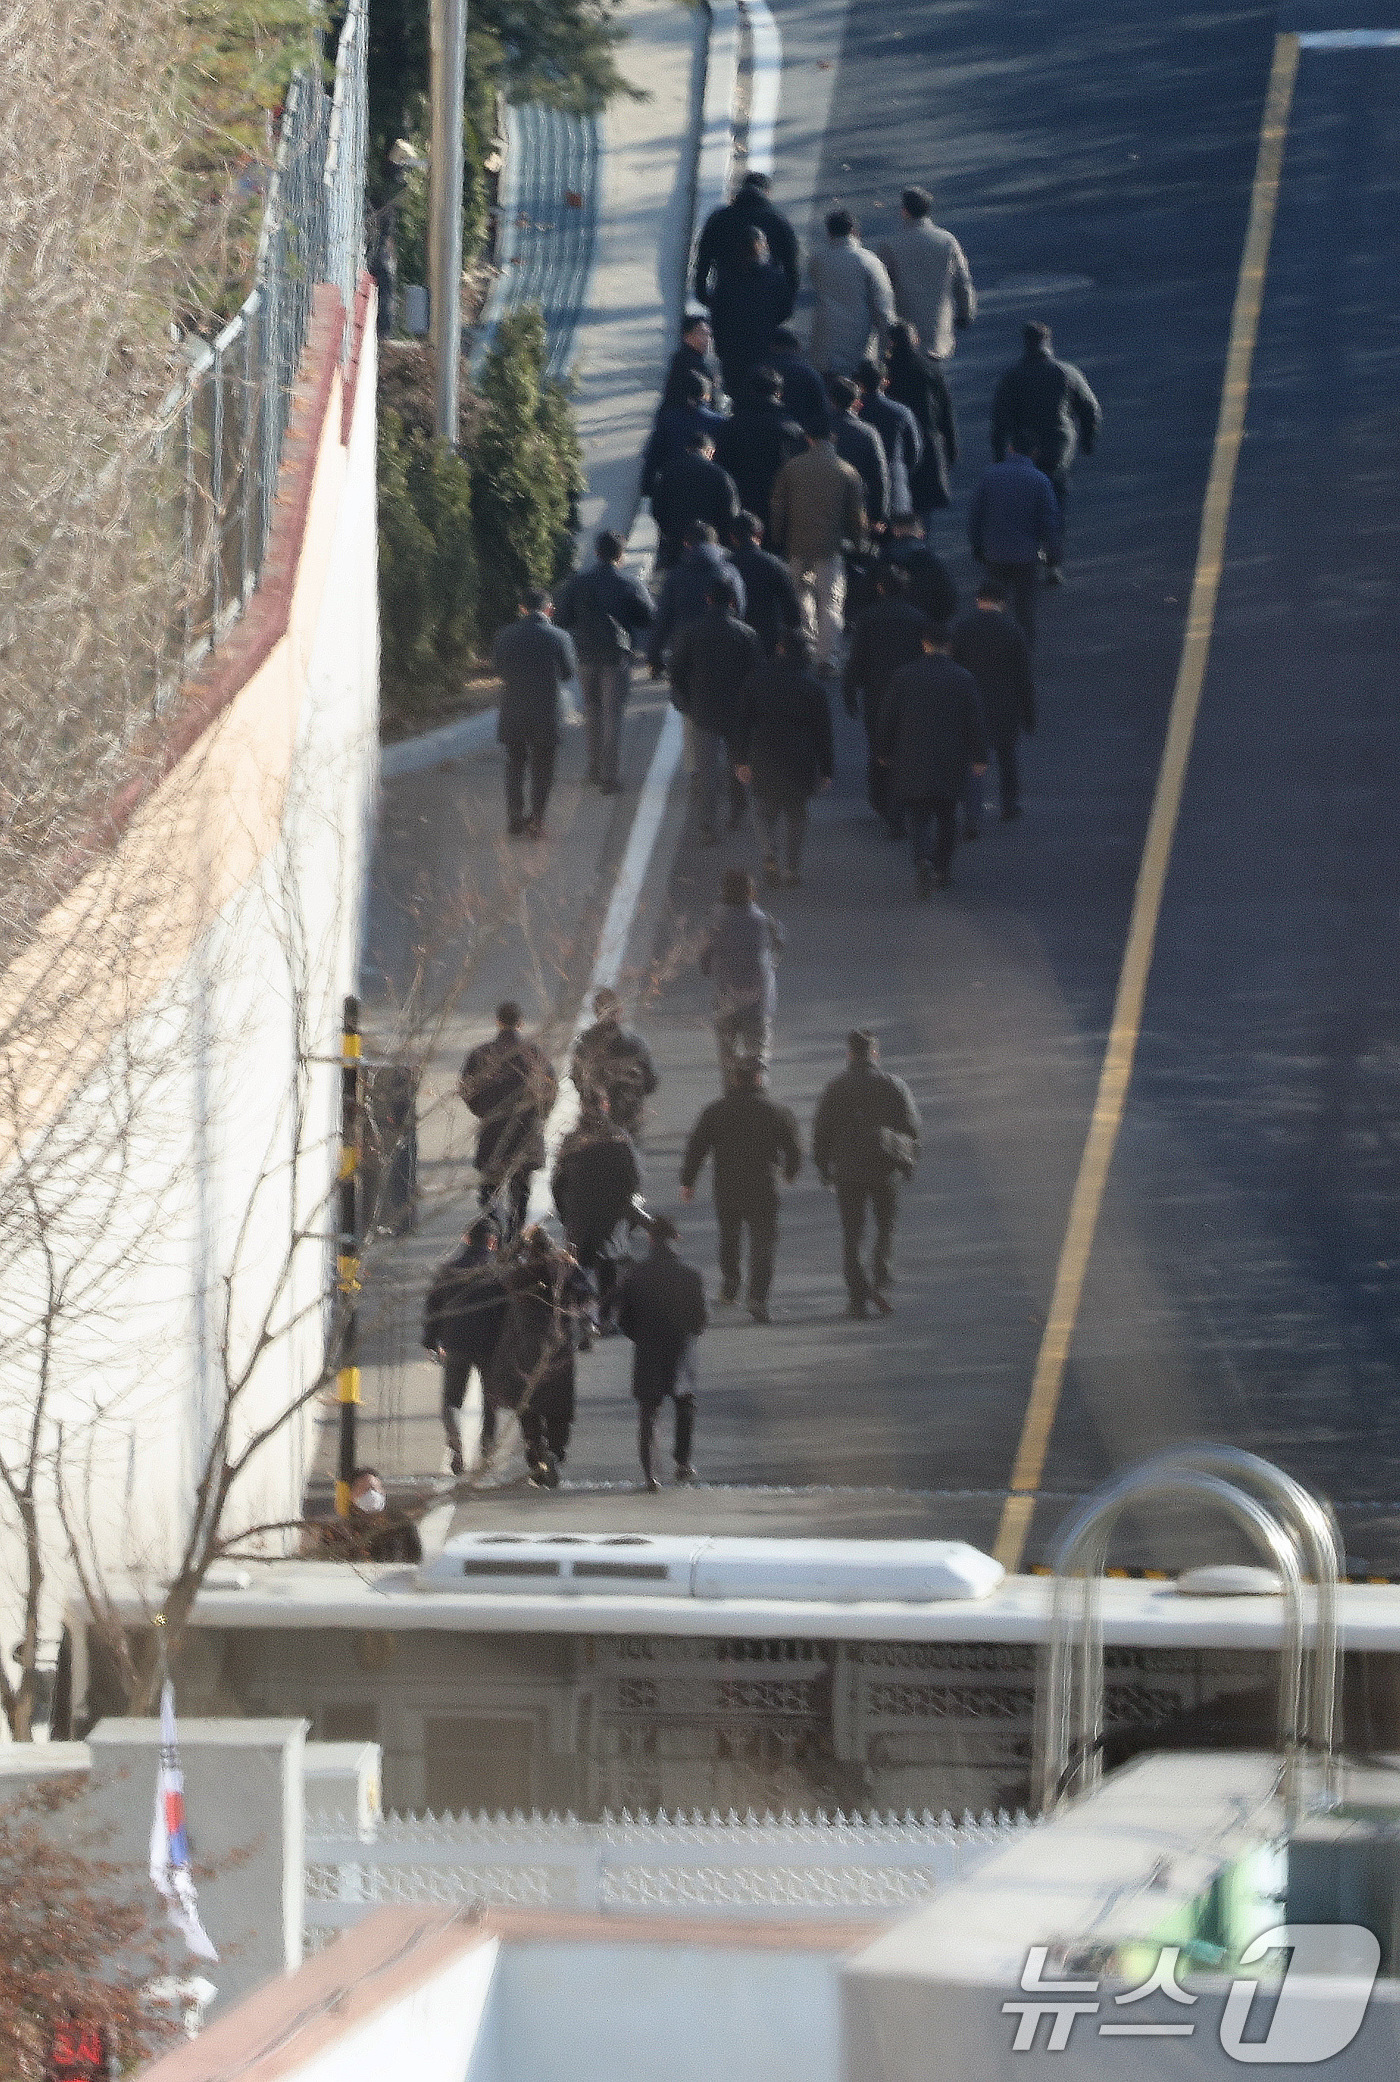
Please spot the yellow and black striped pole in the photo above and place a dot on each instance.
(347, 1260)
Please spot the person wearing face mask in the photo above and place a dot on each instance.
(373, 1532)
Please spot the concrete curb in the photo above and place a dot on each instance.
(717, 115)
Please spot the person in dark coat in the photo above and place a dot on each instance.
(661, 1307)
(692, 487)
(722, 239)
(930, 733)
(750, 302)
(595, 1181)
(861, 447)
(510, 1086)
(865, 1136)
(916, 380)
(373, 1530)
(703, 564)
(884, 636)
(462, 1318)
(773, 603)
(604, 610)
(611, 1059)
(989, 644)
(1012, 521)
(695, 356)
(1052, 402)
(710, 661)
(534, 661)
(758, 439)
(931, 585)
(752, 1139)
(674, 425)
(804, 393)
(898, 431)
(786, 751)
(532, 1368)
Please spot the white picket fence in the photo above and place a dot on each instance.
(812, 1865)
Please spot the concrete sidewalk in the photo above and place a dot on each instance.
(459, 917)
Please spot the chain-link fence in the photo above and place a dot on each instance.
(224, 426)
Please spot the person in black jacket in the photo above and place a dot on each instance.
(991, 645)
(861, 447)
(510, 1085)
(865, 1135)
(916, 380)
(1052, 402)
(750, 302)
(930, 732)
(887, 634)
(694, 356)
(722, 239)
(804, 393)
(674, 425)
(611, 1059)
(604, 610)
(710, 661)
(931, 585)
(692, 487)
(532, 1369)
(462, 1320)
(773, 603)
(534, 661)
(703, 564)
(751, 1139)
(661, 1307)
(596, 1179)
(786, 752)
(761, 436)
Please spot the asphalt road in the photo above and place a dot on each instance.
(1097, 165)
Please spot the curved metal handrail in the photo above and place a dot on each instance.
(1080, 1556)
(1316, 1537)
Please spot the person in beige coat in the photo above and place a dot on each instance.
(816, 509)
(929, 272)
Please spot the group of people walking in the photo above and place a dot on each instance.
(795, 496)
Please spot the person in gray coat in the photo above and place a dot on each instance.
(739, 955)
(930, 733)
(534, 661)
(929, 274)
(855, 302)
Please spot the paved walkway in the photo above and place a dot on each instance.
(458, 916)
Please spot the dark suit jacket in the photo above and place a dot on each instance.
(930, 729)
(534, 659)
(661, 1307)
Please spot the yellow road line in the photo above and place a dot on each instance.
(1087, 1202)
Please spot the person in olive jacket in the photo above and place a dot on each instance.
(786, 751)
(930, 733)
(865, 1136)
(990, 643)
(751, 1139)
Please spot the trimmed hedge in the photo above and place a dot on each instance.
(462, 537)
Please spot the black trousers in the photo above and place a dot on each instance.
(852, 1198)
(1020, 581)
(538, 753)
(456, 1377)
(516, 1189)
(647, 1413)
(761, 1215)
(933, 831)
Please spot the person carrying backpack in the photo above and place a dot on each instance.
(864, 1139)
(603, 609)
